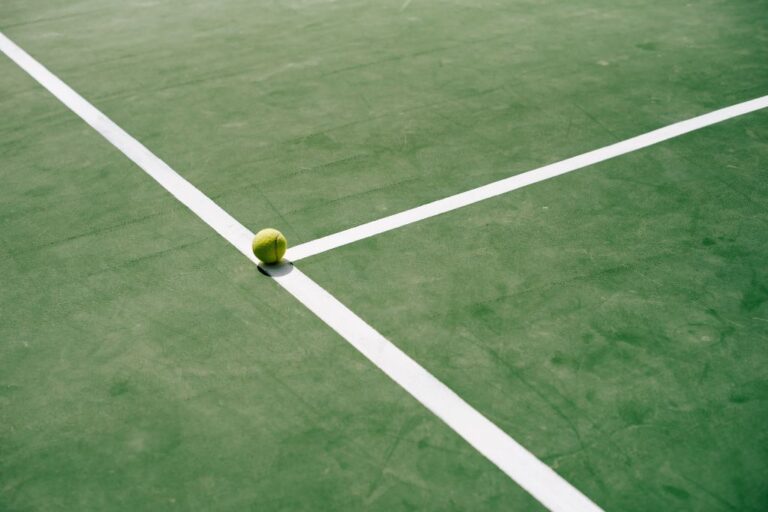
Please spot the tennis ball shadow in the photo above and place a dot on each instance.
(278, 269)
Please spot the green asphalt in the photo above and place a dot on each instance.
(612, 320)
(146, 365)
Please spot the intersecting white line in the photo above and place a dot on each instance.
(523, 467)
(497, 188)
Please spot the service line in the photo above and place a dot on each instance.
(505, 185)
(523, 467)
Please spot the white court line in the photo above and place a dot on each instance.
(519, 464)
(183, 190)
(496, 188)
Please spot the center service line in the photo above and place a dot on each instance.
(505, 185)
(522, 466)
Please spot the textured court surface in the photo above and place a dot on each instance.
(614, 320)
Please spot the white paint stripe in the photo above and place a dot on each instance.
(496, 188)
(530, 473)
(518, 463)
(184, 191)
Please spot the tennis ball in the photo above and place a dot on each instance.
(269, 245)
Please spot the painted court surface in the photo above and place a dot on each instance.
(613, 321)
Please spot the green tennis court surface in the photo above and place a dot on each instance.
(614, 320)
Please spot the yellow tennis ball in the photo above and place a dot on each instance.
(269, 245)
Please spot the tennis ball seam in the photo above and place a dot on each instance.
(274, 246)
